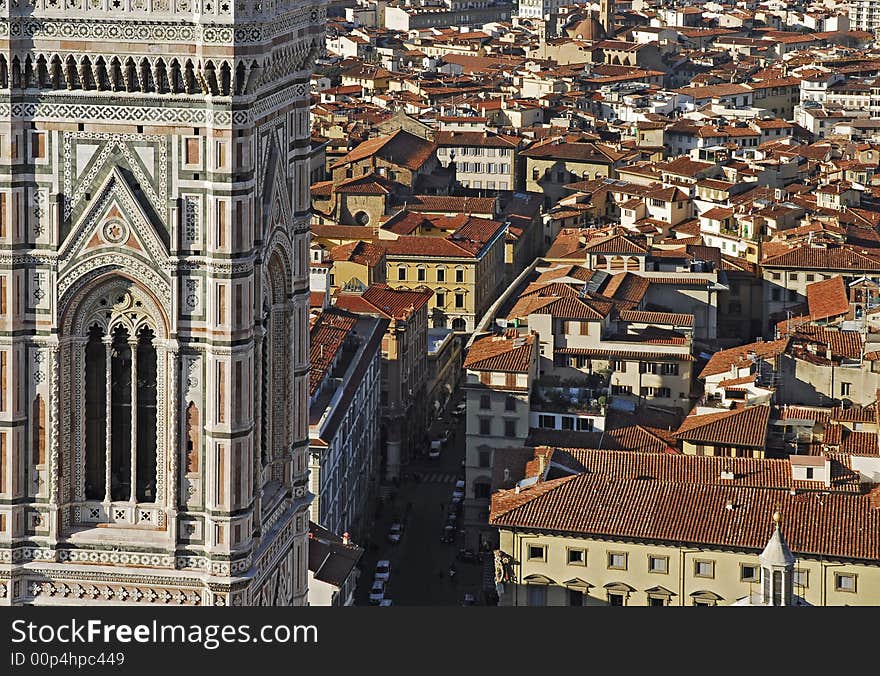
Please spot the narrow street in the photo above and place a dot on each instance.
(420, 562)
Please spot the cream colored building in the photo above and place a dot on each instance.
(698, 545)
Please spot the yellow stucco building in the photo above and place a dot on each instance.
(638, 529)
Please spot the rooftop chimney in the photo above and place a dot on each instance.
(542, 465)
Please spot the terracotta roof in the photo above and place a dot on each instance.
(620, 352)
(328, 332)
(616, 244)
(827, 298)
(451, 204)
(740, 357)
(841, 257)
(382, 300)
(671, 318)
(678, 508)
(401, 148)
(362, 253)
(739, 427)
(511, 353)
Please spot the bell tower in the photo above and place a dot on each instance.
(606, 16)
(154, 294)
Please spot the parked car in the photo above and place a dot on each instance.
(457, 494)
(469, 600)
(459, 410)
(395, 532)
(377, 592)
(384, 603)
(436, 447)
(459, 485)
(383, 570)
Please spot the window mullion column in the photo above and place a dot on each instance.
(133, 346)
(108, 406)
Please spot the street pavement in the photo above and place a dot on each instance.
(420, 562)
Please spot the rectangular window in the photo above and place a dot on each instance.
(537, 553)
(704, 569)
(459, 276)
(485, 426)
(617, 560)
(845, 582)
(577, 557)
(221, 303)
(748, 572)
(220, 154)
(421, 274)
(801, 578)
(485, 401)
(485, 458)
(547, 422)
(401, 274)
(221, 223)
(191, 150)
(221, 393)
(441, 299)
(657, 601)
(615, 599)
(510, 403)
(459, 300)
(575, 598)
(441, 274)
(38, 143)
(844, 389)
(658, 564)
(618, 365)
(510, 428)
(584, 424)
(670, 369)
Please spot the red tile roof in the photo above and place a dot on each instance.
(741, 356)
(827, 298)
(511, 353)
(381, 299)
(629, 501)
(739, 427)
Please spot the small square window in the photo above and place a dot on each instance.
(845, 582)
(537, 553)
(801, 578)
(658, 564)
(617, 560)
(615, 599)
(657, 600)
(485, 401)
(749, 572)
(704, 569)
(577, 557)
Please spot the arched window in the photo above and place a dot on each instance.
(459, 324)
(116, 350)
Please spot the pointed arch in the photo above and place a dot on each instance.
(129, 75)
(57, 77)
(146, 76)
(42, 76)
(102, 80)
(225, 79)
(28, 75)
(160, 76)
(210, 76)
(175, 79)
(117, 79)
(71, 74)
(240, 78)
(16, 73)
(86, 75)
(189, 77)
(4, 73)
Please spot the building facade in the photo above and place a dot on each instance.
(154, 219)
